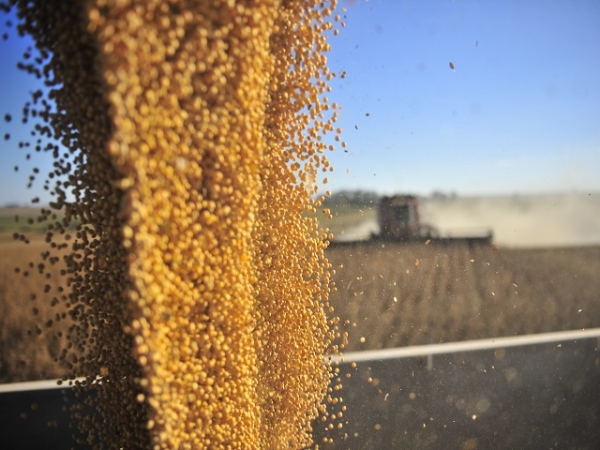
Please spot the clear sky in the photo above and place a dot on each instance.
(520, 113)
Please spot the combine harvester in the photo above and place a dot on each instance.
(399, 221)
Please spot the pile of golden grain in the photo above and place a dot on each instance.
(198, 286)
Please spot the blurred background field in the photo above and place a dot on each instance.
(540, 276)
(23, 219)
(394, 295)
(20, 219)
(29, 348)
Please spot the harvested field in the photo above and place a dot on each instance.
(406, 295)
(28, 346)
(412, 294)
(397, 294)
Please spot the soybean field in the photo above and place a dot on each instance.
(388, 295)
(392, 294)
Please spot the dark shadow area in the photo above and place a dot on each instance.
(39, 419)
(542, 396)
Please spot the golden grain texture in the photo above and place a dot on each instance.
(198, 285)
(415, 294)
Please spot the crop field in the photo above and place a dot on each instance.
(28, 346)
(393, 295)
(23, 220)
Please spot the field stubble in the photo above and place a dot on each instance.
(396, 294)
(33, 327)
(414, 294)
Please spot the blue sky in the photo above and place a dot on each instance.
(520, 113)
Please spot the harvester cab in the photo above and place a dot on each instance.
(398, 219)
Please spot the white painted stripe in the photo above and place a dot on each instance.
(35, 385)
(391, 353)
(468, 346)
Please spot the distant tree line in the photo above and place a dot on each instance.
(364, 199)
(357, 199)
